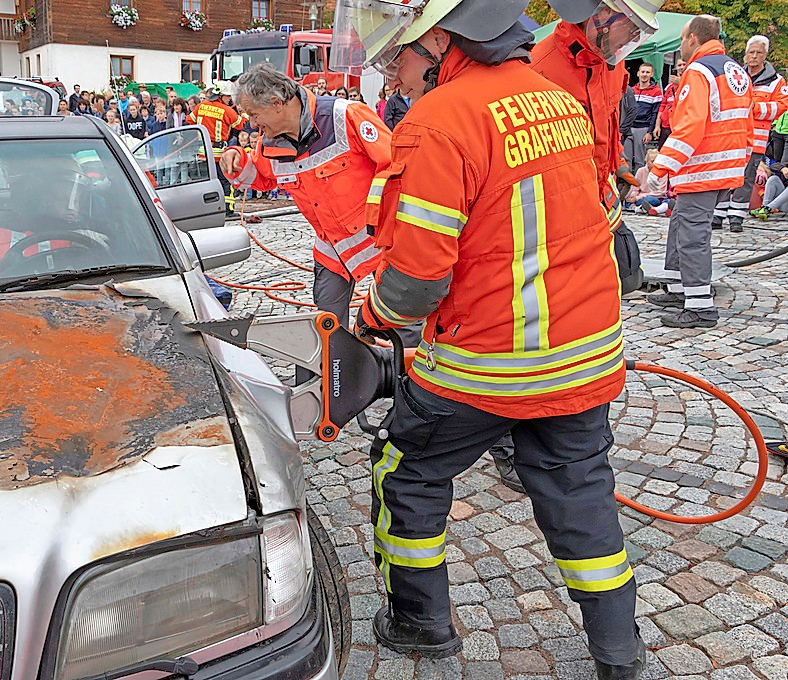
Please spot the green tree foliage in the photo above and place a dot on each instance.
(540, 11)
(742, 19)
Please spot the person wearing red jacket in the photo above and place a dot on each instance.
(662, 129)
(325, 152)
(705, 155)
(522, 308)
(770, 99)
(220, 119)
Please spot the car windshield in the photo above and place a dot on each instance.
(20, 99)
(236, 63)
(66, 206)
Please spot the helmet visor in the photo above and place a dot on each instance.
(366, 33)
(615, 30)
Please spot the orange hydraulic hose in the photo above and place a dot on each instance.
(749, 423)
(281, 286)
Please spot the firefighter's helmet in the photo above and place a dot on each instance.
(372, 33)
(221, 88)
(615, 27)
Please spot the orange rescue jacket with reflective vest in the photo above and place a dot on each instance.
(522, 301)
(219, 119)
(712, 131)
(770, 100)
(566, 58)
(329, 182)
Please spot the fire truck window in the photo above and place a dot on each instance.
(307, 59)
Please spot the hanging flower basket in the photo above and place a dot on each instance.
(19, 26)
(261, 25)
(28, 19)
(123, 16)
(194, 21)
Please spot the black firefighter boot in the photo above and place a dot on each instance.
(630, 671)
(404, 638)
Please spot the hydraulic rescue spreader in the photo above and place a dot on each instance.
(349, 375)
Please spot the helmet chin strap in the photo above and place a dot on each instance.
(431, 74)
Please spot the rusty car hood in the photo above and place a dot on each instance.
(91, 380)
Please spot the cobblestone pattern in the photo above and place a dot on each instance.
(712, 599)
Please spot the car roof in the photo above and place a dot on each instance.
(51, 127)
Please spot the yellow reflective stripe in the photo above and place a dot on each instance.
(218, 131)
(574, 344)
(518, 273)
(544, 262)
(376, 190)
(600, 586)
(593, 563)
(596, 574)
(523, 379)
(430, 216)
(430, 376)
(420, 553)
(606, 349)
(387, 463)
(383, 311)
(529, 263)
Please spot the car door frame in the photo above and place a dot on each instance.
(208, 200)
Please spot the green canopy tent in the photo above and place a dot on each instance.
(665, 41)
(183, 90)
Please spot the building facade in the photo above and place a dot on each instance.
(78, 42)
(10, 64)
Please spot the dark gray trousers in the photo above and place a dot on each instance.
(563, 464)
(735, 204)
(688, 252)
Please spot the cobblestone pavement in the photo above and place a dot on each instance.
(711, 598)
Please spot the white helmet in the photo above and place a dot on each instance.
(373, 33)
(615, 27)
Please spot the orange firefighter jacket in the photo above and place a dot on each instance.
(566, 58)
(522, 303)
(219, 119)
(330, 180)
(770, 100)
(712, 127)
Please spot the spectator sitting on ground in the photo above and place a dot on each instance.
(641, 198)
(341, 92)
(775, 197)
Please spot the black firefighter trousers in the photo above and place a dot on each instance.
(562, 462)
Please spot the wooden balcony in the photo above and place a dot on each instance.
(7, 28)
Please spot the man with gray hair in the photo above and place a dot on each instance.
(770, 99)
(325, 152)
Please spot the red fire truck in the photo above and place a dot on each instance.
(302, 55)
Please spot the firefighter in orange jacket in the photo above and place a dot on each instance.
(523, 328)
(325, 152)
(770, 100)
(221, 120)
(705, 155)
